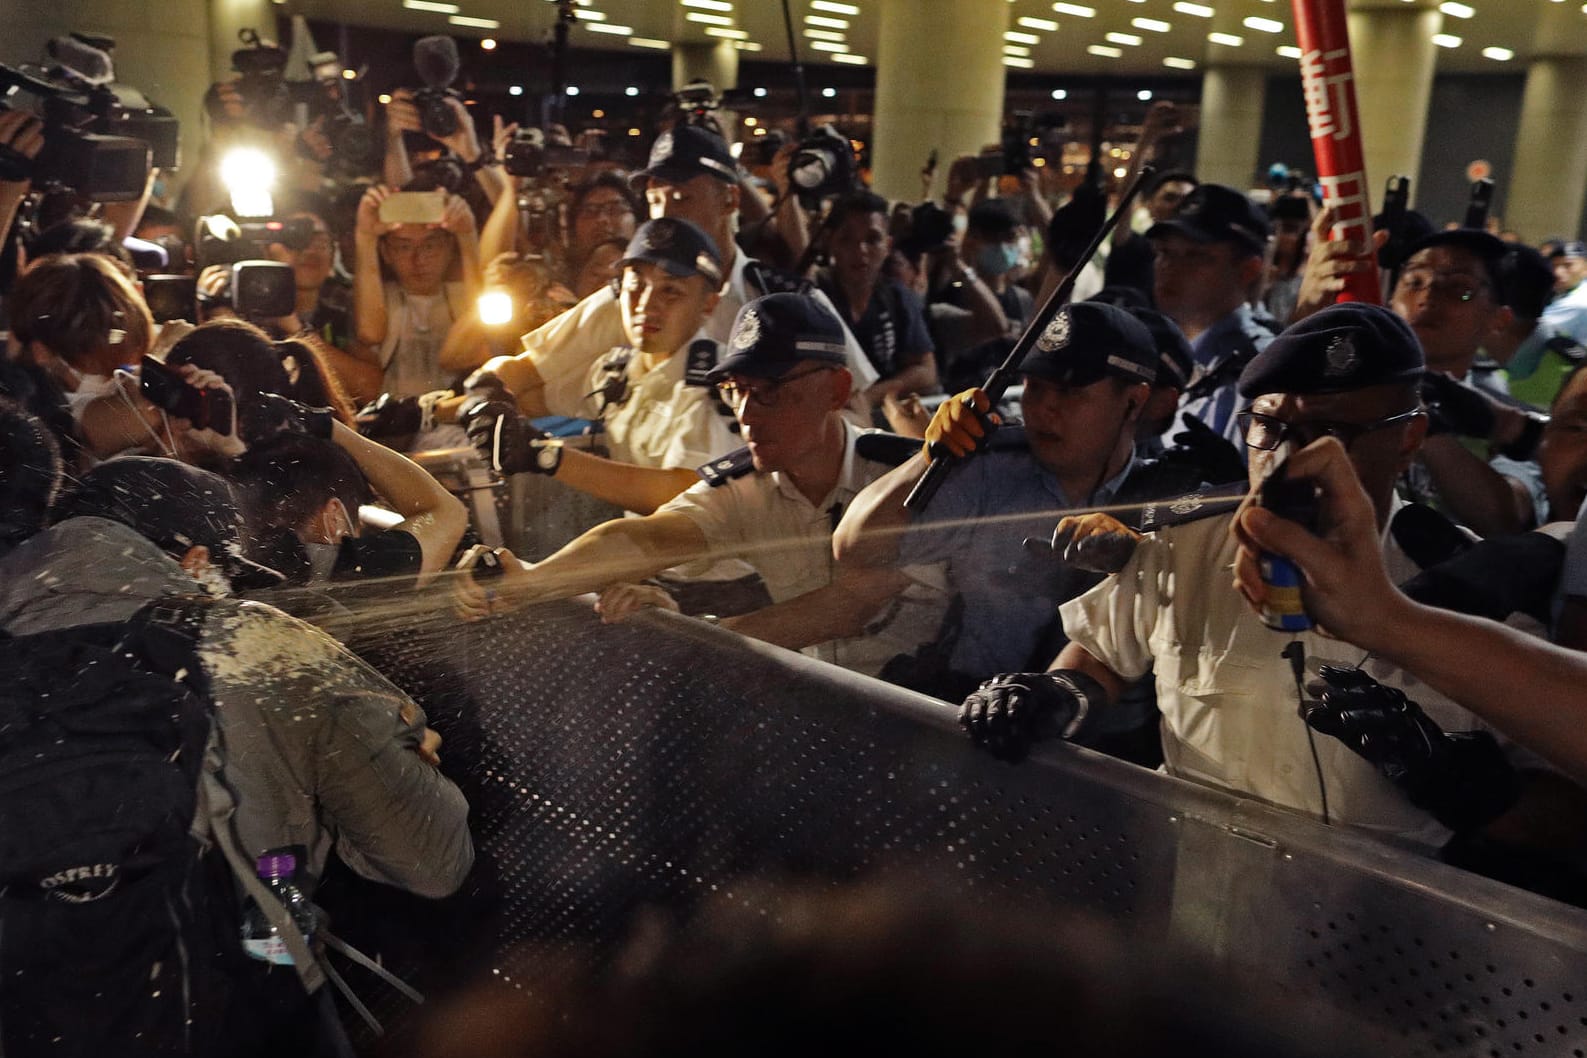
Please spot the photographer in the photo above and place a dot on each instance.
(402, 116)
(24, 134)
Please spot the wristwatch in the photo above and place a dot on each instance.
(548, 457)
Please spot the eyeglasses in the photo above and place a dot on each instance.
(1265, 433)
(766, 392)
(609, 209)
(1457, 287)
(430, 246)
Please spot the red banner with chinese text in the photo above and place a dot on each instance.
(1328, 79)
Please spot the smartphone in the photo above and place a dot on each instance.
(413, 207)
(165, 388)
(1297, 500)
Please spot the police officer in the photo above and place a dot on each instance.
(691, 176)
(1535, 355)
(1207, 257)
(660, 414)
(773, 503)
(1226, 691)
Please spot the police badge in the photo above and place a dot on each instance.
(1056, 334)
(659, 234)
(747, 333)
(661, 150)
(1341, 357)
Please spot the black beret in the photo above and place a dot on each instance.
(1344, 347)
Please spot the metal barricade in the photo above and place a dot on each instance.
(663, 761)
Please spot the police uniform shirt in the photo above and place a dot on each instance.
(564, 349)
(765, 520)
(892, 329)
(1540, 365)
(1567, 314)
(1220, 353)
(977, 523)
(1227, 698)
(662, 420)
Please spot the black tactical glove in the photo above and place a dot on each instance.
(1210, 453)
(1462, 779)
(503, 438)
(393, 421)
(1454, 407)
(1008, 713)
(288, 416)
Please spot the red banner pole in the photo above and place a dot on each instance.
(1328, 79)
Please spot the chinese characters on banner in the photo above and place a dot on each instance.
(1329, 84)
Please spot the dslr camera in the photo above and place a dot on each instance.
(437, 62)
(258, 288)
(530, 155)
(822, 166)
(266, 99)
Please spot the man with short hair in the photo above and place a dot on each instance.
(772, 503)
(1225, 689)
(1206, 258)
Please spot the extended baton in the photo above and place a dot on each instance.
(998, 382)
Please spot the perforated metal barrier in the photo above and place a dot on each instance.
(662, 761)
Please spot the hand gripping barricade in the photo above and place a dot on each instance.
(663, 762)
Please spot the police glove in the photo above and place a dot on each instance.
(504, 439)
(393, 421)
(1010, 712)
(288, 416)
(1201, 447)
(961, 426)
(1454, 407)
(1097, 542)
(1462, 778)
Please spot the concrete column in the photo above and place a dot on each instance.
(716, 62)
(162, 47)
(1230, 135)
(1549, 175)
(1394, 55)
(939, 86)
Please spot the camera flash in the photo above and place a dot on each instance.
(495, 308)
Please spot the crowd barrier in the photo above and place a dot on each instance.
(663, 761)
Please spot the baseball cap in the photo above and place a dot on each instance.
(1344, 347)
(1526, 281)
(1485, 246)
(1572, 248)
(1215, 213)
(773, 333)
(1087, 341)
(677, 247)
(685, 152)
(172, 504)
(1175, 362)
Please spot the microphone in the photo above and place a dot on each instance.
(437, 60)
(83, 61)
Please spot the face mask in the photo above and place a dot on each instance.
(89, 389)
(997, 258)
(961, 222)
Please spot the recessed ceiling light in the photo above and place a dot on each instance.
(475, 23)
(829, 93)
(747, 45)
(612, 28)
(1457, 10)
(649, 42)
(1447, 40)
(1077, 10)
(1264, 25)
(1021, 38)
(708, 5)
(1016, 49)
(631, 91)
(829, 23)
(1104, 50)
(1060, 93)
(588, 15)
(1046, 24)
(1199, 10)
(1156, 25)
(1144, 95)
(1123, 38)
(515, 90)
(431, 5)
(823, 34)
(1227, 39)
(729, 34)
(760, 93)
(707, 20)
(1177, 63)
(832, 8)
(1017, 62)
(823, 45)
(572, 90)
(1289, 51)
(1499, 54)
(852, 60)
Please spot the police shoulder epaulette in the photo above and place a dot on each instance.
(763, 279)
(1484, 365)
(723, 469)
(702, 357)
(889, 449)
(1427, 537)
(1567, 347)
(1193, 507)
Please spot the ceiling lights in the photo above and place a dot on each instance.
(833, 8)
(1155, 25)
(612, 28)
(1447, 40)
(1077, 10)
(1498, 54)
(1227, 39)
(648, 42)
(1175, 62)
(1104, 50)
(1045, 24)
(1021, 38)
(431, 5)
(1199, 10)
(1264, 25)
(1123, 38)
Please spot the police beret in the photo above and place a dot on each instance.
(1344, 347)
(1087, 341)
(773, 333)
(678, 247)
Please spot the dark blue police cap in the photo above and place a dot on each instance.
(1214, 213)
(774, 333)
(1485, 246)
(684, 153)
(1175, 361)
(1526, 281)
(1344, 347)
(676, 246)
(1573, 248)
(1087, 341)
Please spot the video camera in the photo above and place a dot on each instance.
(822, 166)
(258, 288)
(100, 138)
(528, 154)
(262, 87)
(437, 62)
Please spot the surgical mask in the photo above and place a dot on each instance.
(998, 258)
(89, 389)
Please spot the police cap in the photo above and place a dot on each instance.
(774, 333)
(677, 247)
(685, 152)
(1344, 347)
(1087, 341)
(1484, 246)
(1215, 213)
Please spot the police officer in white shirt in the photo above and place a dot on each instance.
(773, 503)
(691, 176)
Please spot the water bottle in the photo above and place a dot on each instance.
(277, 869)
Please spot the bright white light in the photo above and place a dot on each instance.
(852, 60)
(832, 8)
(1045, 24)
(1264, 25)
(495, 308)
(430, 5)
(829, 93)
(1144, 94)
(1123, 38)
(1184, 7)
(1016, 49)
(1120, 173)
(729, 34)
(708, 5)
(707, 20)
(1457, 10)
(383, 99)
(736, 150)
(1104, 50)
(1447, 40)
(760, 93)
(1060, 93)
(823, 34)
(1018, 63)
(589, 16)
(1077, 10)
(1177, 63)
(828, 23)
(1021, 38)
(648, 42)
(573, 89)
(515, 90)
(1156, 25)
(247, 169)
(1226, 39)
(1498, 54)
(610, 27)
(1289, 51)
(828, 45)
(475, 23)
(631, 91)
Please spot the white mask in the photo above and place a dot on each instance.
(89, 389)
